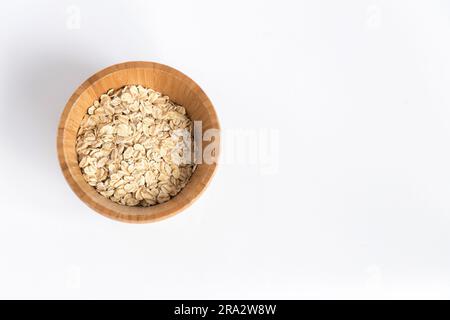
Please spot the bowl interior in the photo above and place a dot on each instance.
(181, 89)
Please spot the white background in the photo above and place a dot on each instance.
(358, 205)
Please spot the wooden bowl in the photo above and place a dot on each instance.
(181, 89)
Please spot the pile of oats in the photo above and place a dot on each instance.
(133, 146)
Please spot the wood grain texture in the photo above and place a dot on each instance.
(162, 78)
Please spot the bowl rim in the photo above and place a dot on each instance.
(62, 150)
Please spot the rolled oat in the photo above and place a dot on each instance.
(132, 146)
